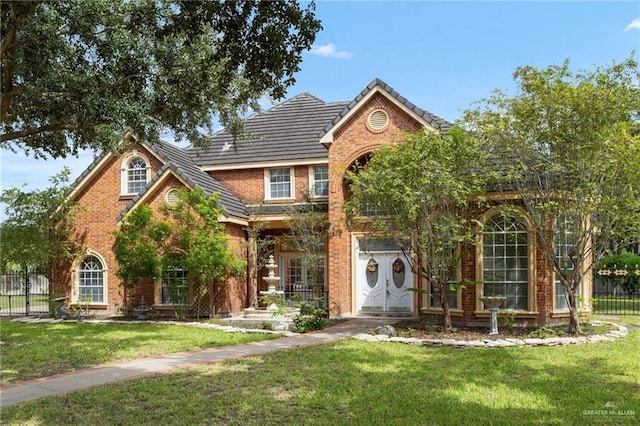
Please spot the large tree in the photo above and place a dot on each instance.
(38, 223)
(418, 194)
(568, 145)
(76, 73)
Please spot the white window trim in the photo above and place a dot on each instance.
(297, 255)
(267, 184)
(124, 168)
(312, 182)
(531, 238)
(75, 291)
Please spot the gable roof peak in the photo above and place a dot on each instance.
(427, 118)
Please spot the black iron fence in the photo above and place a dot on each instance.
(297, 294)
(24, 293)
(610, 298)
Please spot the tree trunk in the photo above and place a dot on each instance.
(444, 304)
(252, 272)
(574, 319)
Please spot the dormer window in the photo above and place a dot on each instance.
(135, 174)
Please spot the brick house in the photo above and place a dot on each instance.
(302, 145)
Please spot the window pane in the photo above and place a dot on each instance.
(303, 281)
(506, 261)
(280, 183)
(321, 181)
(434, 297)
(565, 243)
(175, 283)
(136, 176)
(91, 279)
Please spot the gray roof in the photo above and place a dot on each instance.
(178, 161)
(431, 119)
(288, 131)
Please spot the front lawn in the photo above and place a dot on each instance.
(32, 350)
(354, 382)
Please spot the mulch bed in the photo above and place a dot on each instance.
(424, 330)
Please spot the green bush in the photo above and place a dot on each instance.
(623, 270)
(316, 320)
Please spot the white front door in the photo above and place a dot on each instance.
(382, 283)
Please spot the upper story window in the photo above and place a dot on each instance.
(135, 173)
(279, 183)
(320, 181)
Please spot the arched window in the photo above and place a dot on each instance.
(505, 260)
(91, 280)
(134, 174)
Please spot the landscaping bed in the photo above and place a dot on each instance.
(421, 329)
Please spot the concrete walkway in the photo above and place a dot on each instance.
(90, 377)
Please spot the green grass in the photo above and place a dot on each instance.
(37, 350)
(18, 301)
(358, 383)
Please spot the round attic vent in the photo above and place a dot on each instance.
(171, 198)
(378, 119)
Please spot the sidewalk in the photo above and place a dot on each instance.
(87, 378)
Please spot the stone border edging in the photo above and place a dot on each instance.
(219, 327)
(621, 332)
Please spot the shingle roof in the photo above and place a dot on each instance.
(429, 118)
(288, 131)
(178, 161)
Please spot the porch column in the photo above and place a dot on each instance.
(252, 268)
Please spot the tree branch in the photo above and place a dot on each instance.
(48, 128)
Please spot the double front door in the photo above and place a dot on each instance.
(382, 282)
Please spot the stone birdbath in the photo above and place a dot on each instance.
(492, 304)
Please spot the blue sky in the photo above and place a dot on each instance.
(441, 56)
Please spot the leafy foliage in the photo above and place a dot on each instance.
(75, 74)
(623, 270)
(315, 320)
(308, 231)
(38, 224)
(568, 144)
(419, 192)
(146, 246)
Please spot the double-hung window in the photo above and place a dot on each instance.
(320, 181)
(279, 183)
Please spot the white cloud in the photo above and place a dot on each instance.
(329, 50)
(634, 25)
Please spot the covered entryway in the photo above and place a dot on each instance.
(382, 280)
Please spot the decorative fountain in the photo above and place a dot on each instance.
(142, 311)
(272, 296)
(277, 316)
(492, 304)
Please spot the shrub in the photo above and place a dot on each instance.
(316, 320)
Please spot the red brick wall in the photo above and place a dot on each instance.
(94, 227)
(100, 196)
(248, 184)
(351, 141)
